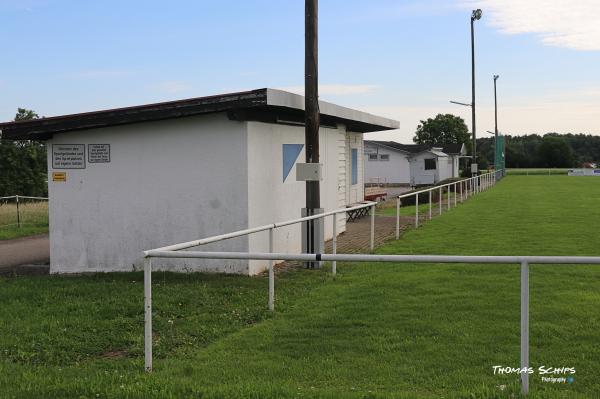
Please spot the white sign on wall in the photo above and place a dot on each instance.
(98, 153)
(68, 156)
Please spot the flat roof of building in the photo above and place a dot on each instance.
(451, 148)
(264, 105)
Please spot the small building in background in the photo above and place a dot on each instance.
(392, 163)
(126, 180)
(430, 166)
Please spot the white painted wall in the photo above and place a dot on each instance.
(168, 182)
(418, 174)
(271, 199)
(456, 170)
(395, 171)
(183, 179)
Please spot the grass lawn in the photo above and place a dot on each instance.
(12, 232)
(33, 216)
(374, 331)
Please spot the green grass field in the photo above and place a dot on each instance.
(33, 218)
(374, 331)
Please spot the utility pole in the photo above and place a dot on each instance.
(475, 15)
(312, 121)
(495, 124)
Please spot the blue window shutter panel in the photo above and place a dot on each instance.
(290, 154)
(354, 166)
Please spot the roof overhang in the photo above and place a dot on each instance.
(266, 105)
(438, 154)
(371, 142)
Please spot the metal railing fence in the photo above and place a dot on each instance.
(467, 188)
(471, 187)
(524, 261)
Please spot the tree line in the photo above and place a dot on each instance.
(552, 150)
(23, 164)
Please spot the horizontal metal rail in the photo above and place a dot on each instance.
(24, 196)
(378, 258)
(239, 233)
(524, 261)
(468, 187)
(454, 183)
(475, 184)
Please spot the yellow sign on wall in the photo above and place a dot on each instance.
(59, 176)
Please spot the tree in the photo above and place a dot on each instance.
(443, 129)
(555, 152)
(23, 164)
(24, 114)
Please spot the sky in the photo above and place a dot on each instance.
(403, 59)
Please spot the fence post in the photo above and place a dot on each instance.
(416, 210)
(372, 227)
(429, 204)
(441, 201)
(449, 195)
(524, 326)
(455, 194)
(18, 213)
(334, 244)
(398, 203)
(271, 274)
(148, 314)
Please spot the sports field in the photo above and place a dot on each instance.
(374, 331)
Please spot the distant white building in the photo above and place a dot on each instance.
(131, 179)
(411, 164)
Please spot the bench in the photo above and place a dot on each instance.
(357, 213)
(375, 193)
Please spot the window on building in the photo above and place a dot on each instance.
(430, 164)
(372, 157)
(354, 166)
(384, 157)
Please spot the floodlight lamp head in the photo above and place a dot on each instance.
(476, 15)
(496, 77)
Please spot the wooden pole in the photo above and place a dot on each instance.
(312, 117)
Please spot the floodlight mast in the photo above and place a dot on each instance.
(475, 16)
(459, 103)
(495, 122)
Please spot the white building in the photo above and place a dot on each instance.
(435, 164)
(411, 164)
(126, 180)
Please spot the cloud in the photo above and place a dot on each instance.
(173, 86)
(335, 89)
(564, 23)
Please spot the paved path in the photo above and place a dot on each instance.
(357, 237)
(24, 255)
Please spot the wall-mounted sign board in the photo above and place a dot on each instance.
(59, 176)
(98, 153)
(68, 156)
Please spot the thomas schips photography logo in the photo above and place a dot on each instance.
(553, 375)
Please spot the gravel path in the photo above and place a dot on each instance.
(25, 255)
